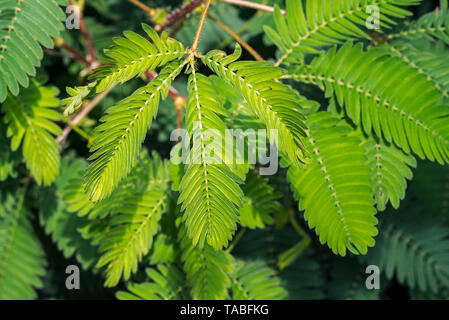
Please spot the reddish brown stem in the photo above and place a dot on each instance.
(92, 56)
(76, 54)
(179, 118)
(178, 14)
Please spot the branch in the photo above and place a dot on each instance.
(151, 12)
(236, 240)
(59, 42)
(253, 5)
(179, 100)
(200, 27)
(237, 38)
(85, 33)
(178, 14)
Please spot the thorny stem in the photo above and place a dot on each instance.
(178, 14)
(253, 5)
(200, 27)
(151, 12)
(237, 38)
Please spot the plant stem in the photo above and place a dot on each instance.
(144, 7)
(81, 132)
(243, 43)
(238, 237)
(253, 5)
(298, 228)
(200, 26)
(85, 33)
(178, 14)
(74, 53)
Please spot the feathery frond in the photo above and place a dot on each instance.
(390, 170)
(124, 224)
(302, 278)
(323, 23)
(25, 25)
(259, 202)
(208, 271)
(278, 107)
(430, 61)
(22, 261)
(210, 192)
(335, 188)
(133, 55)
(31, 123)
(168, 283)
(134, 223)
(120, 136)
(386, 104)
(255, 281)
(434, 25)
(417, 252)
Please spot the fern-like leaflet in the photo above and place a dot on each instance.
(323, 23)
(133, 55)
(418, 253)
(390, 170)
(273, 102)
(208, 271)
(255, 281)
(25, 25)
(434, 25)
(31, 123)
(117, 146)
(414, 123)
(335, 188)
(130, 215)
(429, 60)
(22, 260)
(167, 284)
(210, 192)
